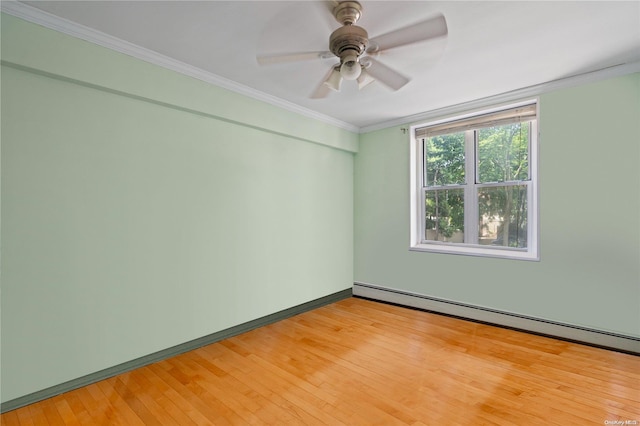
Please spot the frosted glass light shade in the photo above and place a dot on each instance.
(334, 81)
(350, 69)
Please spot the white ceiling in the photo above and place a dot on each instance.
(492, 47)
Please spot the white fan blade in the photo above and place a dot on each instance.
(425, 30)
(385, 75)
(323, 89)
(293, 57)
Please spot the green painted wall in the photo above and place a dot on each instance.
(142, 209)
(589, 273)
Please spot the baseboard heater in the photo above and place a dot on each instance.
(619, 342)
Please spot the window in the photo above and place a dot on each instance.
(474, 184)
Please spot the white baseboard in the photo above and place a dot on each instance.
(506, 319)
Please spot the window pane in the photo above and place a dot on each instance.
(503, 216)
(444, 215)
(503, 153)
(444, 159)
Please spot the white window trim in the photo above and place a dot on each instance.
(417, 206)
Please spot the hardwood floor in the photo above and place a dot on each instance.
(358, 362)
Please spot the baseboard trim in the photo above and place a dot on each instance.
(171, 352)
(603, 339)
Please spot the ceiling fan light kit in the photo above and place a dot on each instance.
(334, 81)
(352, 46)
(350, 68)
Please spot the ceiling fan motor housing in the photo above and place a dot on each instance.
(348, 40)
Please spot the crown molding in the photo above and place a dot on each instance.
(512, 96)
(65, 26)
(45, 19)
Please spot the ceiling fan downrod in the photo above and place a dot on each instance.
(347, 12)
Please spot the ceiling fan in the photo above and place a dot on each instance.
(351, 44)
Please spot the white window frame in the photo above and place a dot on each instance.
(417, 204)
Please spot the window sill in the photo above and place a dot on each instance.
(482, 251)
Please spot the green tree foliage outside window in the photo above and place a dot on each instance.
(445, 159)
(445, 165)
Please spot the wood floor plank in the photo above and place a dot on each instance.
(197, 397)
(358, 362)
(37, 414)
(65, 413)
(164, 408)
(122, 411)
(10, 419)
(24, 416)
(239, 407)
(270, 385)
(180, 408)
(77, 407)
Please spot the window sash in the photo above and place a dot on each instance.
(471, 151)
(471, 237)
